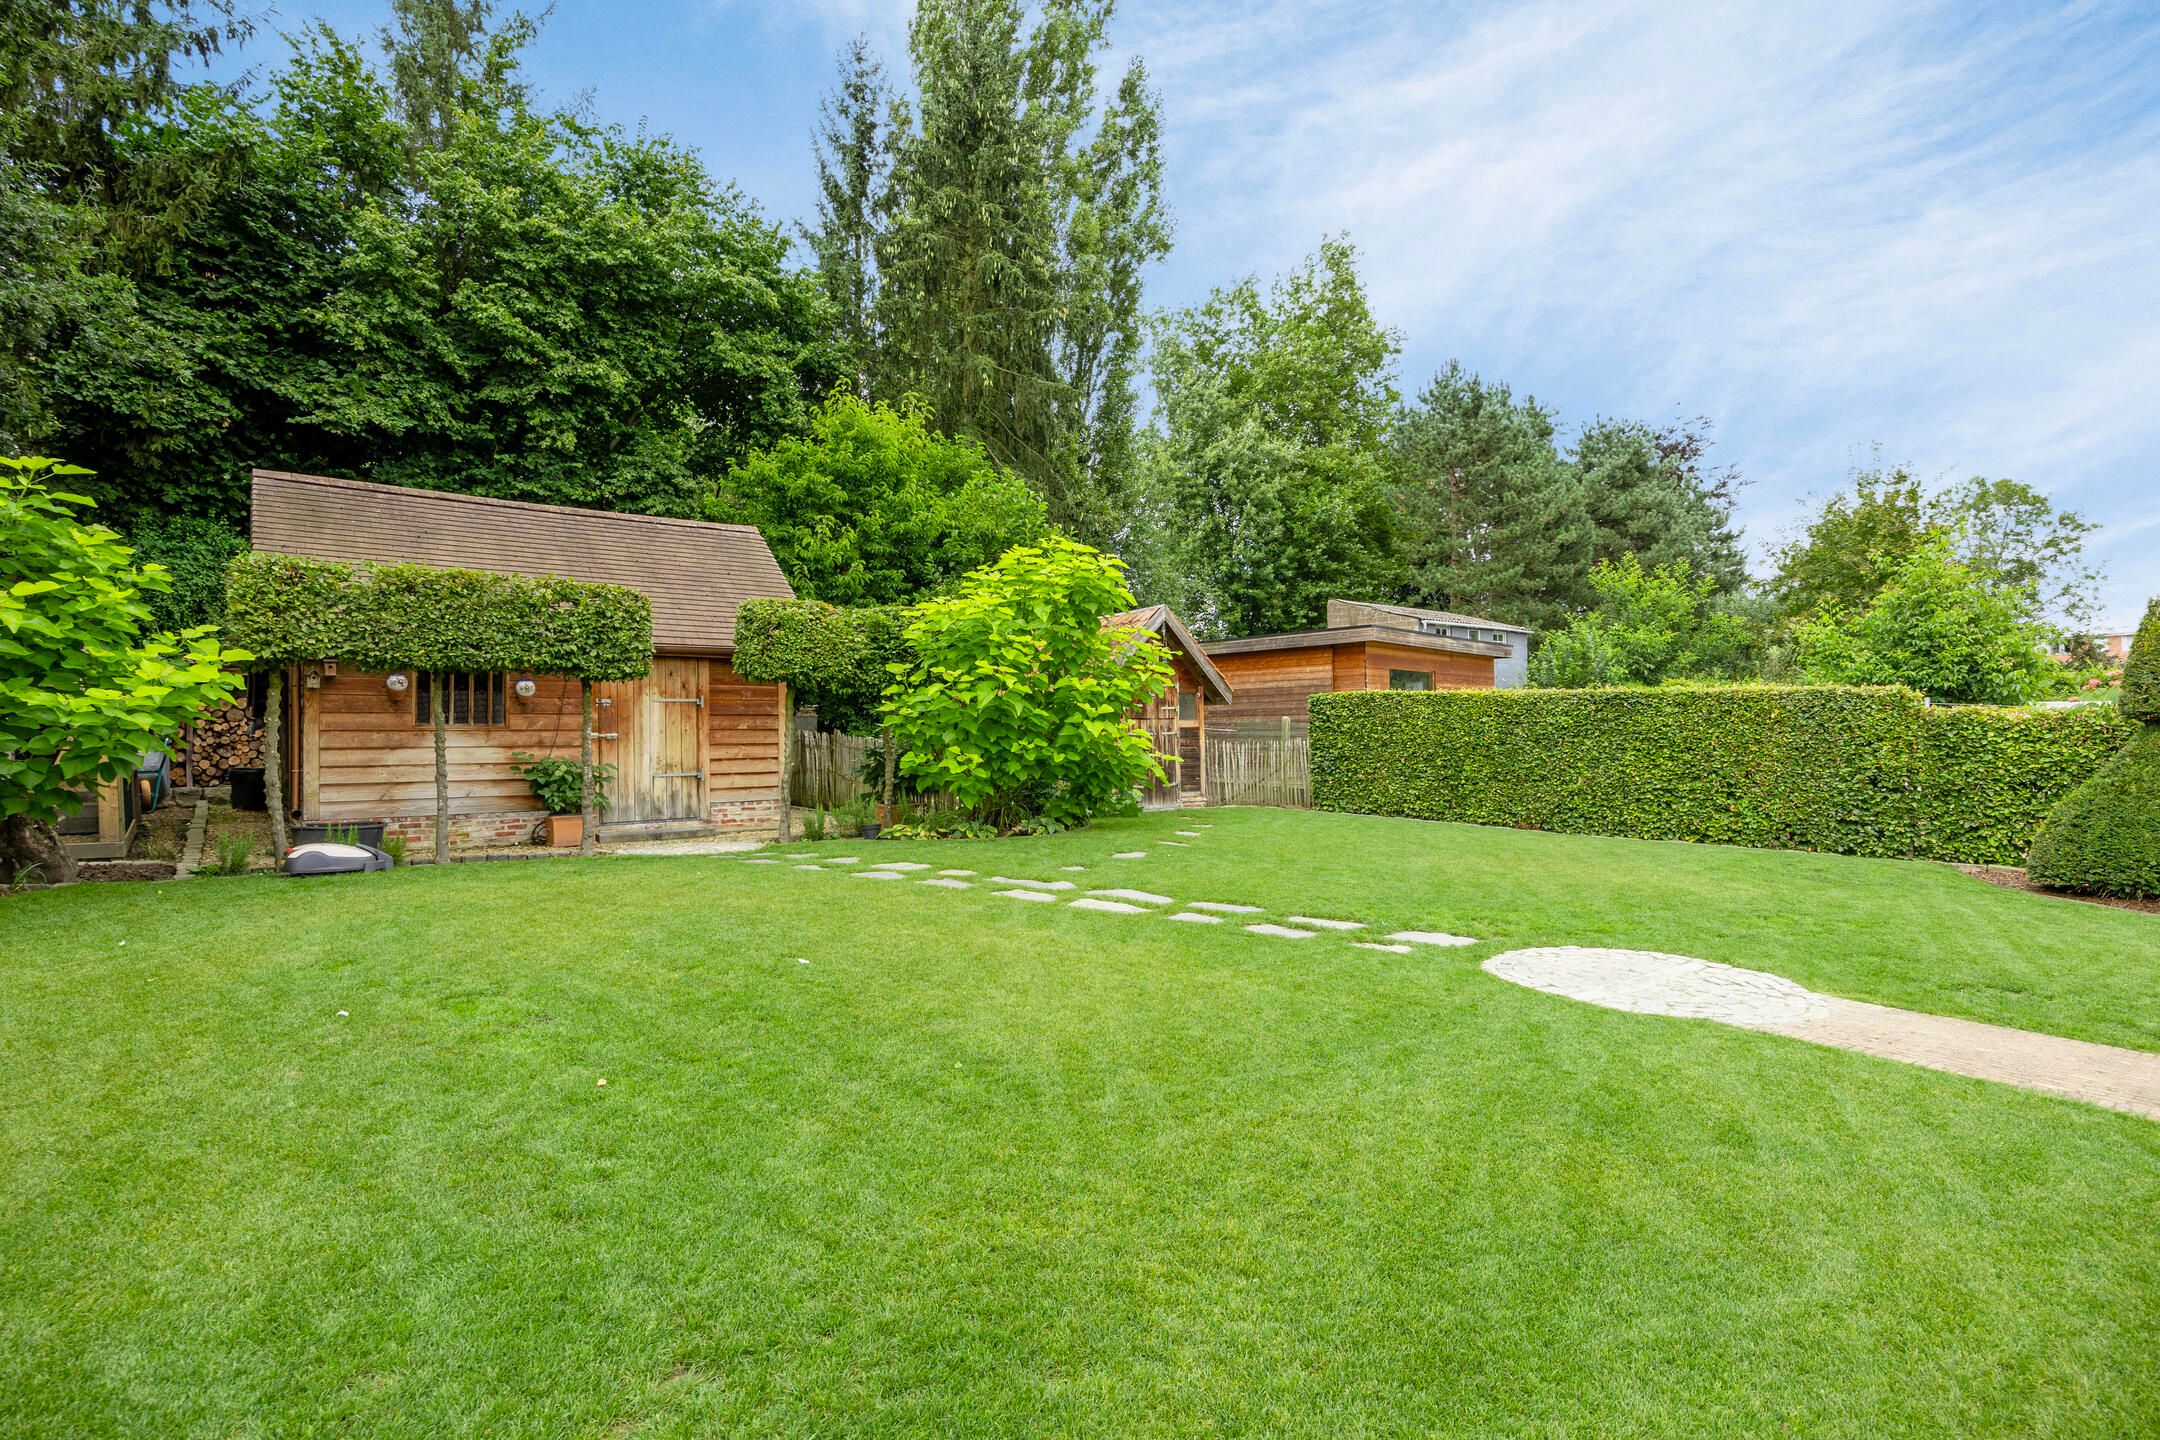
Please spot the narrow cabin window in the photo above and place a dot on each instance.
(1188, 705)
(1409, 679)
(468, 698)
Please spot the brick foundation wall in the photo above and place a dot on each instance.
(746, 817)
(510, 827)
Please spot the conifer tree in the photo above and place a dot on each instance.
(854, 165)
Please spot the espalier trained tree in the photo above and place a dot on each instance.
(1017, 702)
(290, 610)
(85, 685)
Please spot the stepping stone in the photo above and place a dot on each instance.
(1179, 843)
(1028, 895)
(947, 884)
(1430, 937)
(1280, 932)
(843, 859)
(1195, 834)
(956, 872)
(1320, 924)
(1375, 945)
(810, 867)
(1113, 906)
(1226, 909)
(1140, 895)
(1072, 867)
(759, 860)
(1033, 884)
(901, 865)
(1130, 855)
(877, 875)
(1194, 918)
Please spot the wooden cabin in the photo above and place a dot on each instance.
(695, 749)
(1365, 646)
(1178, 717)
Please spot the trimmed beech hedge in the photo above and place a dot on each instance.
(288, 610)
(835, 658)
(1860, 771)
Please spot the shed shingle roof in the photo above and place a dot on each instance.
(1163, 621)
(695, 573)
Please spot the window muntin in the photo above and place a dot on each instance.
(469, 698)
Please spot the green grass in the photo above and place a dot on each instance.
(987, 1168)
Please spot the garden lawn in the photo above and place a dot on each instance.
(874, 1158)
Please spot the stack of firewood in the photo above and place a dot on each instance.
(215, 743)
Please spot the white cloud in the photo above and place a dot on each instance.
(1822, 223)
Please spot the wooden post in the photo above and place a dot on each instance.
(586, 843)
(274, 761)
(787, 756)
(885, 815)
(442, 768)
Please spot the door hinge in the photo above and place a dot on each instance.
(698, 700)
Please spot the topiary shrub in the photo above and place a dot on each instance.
(2141, 674)
(2104, 838)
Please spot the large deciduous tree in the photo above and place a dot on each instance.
(1938, 624)
(1264, 472)
(85, 685)
(406, 273)
(873, 507)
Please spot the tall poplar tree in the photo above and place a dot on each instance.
(854, 164)
(1021, 214)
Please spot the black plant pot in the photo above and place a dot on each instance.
(351, 832)
(870, 831)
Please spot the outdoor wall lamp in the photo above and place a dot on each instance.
(397, 682)
(526, 687)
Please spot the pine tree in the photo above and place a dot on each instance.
(854, 170)
(1649, 496)
(1491, 520)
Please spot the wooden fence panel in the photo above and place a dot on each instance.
(1260, 772)
(824, 772)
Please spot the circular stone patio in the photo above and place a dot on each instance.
(1648, 983)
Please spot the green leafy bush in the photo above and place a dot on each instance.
(396, 617)
(1853, 770)
(873, 507)
(837, 660)
(86, 684)
(2141, 672)
(2104, 838)
(1017, 702)
(1948, 629)
(559, 781)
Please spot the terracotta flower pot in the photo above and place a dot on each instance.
(565, 831)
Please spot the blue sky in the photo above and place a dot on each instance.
(1825, 225)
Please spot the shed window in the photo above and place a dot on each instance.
(1188, 705)
(468, 698)
(1409, 679)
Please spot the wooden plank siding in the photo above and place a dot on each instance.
(364, 755)
(1274, 685)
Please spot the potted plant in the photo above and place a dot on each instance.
(559, 784)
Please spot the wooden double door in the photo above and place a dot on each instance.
(657, 727)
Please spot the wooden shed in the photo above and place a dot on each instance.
(695, 749)
(1178, 717)
(1365, 646)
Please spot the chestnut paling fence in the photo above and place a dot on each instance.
(825, 770)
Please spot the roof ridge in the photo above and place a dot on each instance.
(345, 482)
